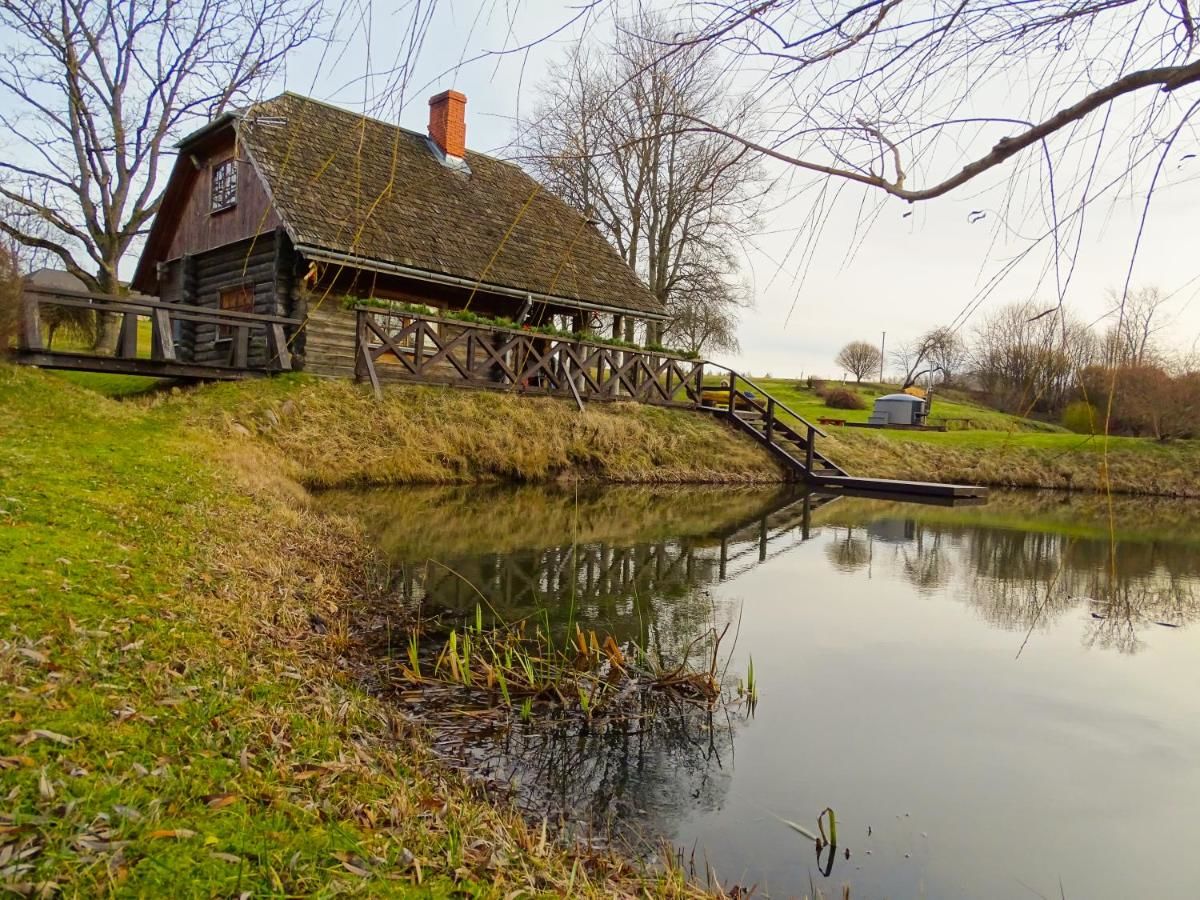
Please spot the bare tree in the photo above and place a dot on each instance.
(949, 355)
(886, 81)
(1028, 358)
(609, 138)
(10, 297)
(704, 305)
(859, 358)
(1132, 340)
(92, 92)
(929, 354)
(900, 98)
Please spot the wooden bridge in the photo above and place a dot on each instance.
(255, 343)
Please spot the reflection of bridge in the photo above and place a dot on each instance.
(599, 575)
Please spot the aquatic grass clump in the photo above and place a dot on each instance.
(522, 668)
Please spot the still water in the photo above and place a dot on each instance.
(998, 701)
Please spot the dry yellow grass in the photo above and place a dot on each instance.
(334, 433)
(1071, 462)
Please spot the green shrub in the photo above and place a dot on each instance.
(841, 398)
(1081, 417)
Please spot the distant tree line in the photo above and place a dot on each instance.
(1115, 374)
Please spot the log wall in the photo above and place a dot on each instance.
(265, 264)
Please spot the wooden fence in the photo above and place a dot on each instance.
(412, 347)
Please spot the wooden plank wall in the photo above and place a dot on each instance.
(329, 339)
(198, 229)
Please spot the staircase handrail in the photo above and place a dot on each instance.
(779, 404)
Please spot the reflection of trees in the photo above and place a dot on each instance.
(1023, 580)
(848, 552)
(926, 565)
(627, 779)
(618, 576)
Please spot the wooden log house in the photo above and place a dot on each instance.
(291, 206)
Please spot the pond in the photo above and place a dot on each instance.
(997, 701)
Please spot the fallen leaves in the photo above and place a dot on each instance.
(45, 787)
(178, 834)
(220, 801)
(42, 734)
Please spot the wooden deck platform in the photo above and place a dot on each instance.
(864, 486)
(792, 439)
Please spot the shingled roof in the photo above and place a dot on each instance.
(352, 185)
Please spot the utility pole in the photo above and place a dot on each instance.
(882, 357)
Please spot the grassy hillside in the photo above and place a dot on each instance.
(182, 710)
(945, 406)
(997, 449)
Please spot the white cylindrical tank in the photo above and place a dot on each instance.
(898, 409)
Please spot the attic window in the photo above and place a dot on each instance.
(224, 185)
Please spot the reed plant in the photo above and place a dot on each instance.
(522, 668)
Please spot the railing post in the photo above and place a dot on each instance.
(162, 340)
(698, 369)
(241, 346)
(808, 451)
(732, 392)
(277, 347)
(127, 338)
(362, 359)
(359, 334)
(30, 336)
(770, 418)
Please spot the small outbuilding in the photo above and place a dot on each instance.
(898, 409)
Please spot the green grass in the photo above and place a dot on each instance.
(170, 723)
(115, 386)
(806, 403)
(998, 449)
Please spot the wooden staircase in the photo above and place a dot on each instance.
(786, 433)
(792, 439)
(790, 444)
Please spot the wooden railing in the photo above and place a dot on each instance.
(413, 347)
(793, 438)
(237, 326)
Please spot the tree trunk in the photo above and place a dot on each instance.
(108, 325)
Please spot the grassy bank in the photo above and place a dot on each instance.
(334, 434)
(1054, 461)
(181, 713)
(999, 450)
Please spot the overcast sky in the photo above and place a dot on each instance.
(909, 272)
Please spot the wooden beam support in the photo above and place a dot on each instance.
(127, 339)
(30, 336)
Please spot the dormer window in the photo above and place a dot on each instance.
(224, 185)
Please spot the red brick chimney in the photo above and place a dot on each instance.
(448, 122)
